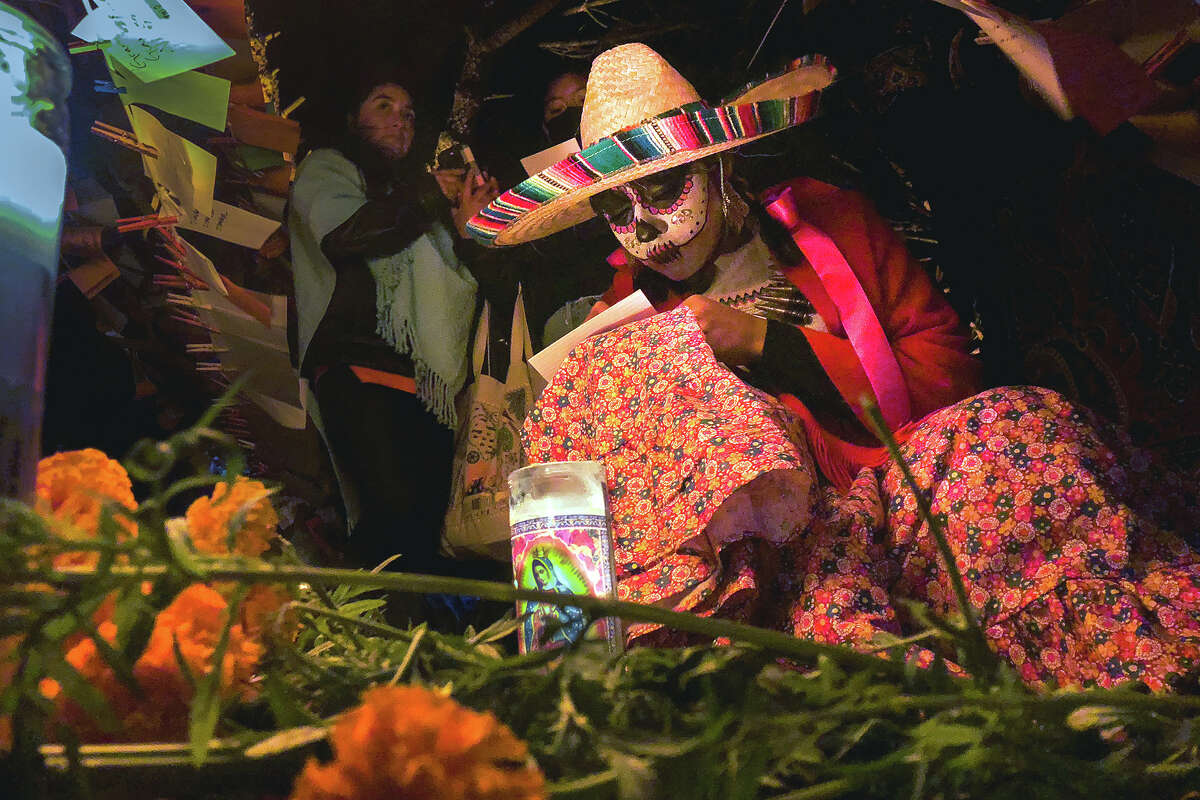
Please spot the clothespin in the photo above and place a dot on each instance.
(171, 239)
(287, 112)
(205, 348)
(176, 299)
(192, 278)
(208, 366)
(193, 321)
(123, 138)
(108, 87)
(87, 47)
(129, 224)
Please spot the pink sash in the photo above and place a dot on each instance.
(858, 318)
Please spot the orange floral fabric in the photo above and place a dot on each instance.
(409, 743)
(689, 451)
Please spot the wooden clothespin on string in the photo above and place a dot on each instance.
(124, 138)
(76, 48)
(129, 224)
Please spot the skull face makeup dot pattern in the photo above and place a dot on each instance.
(664, 220)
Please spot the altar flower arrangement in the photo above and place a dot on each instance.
(151, 702)
(198, 655)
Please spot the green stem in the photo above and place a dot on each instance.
(820, 791)
(880, 429)
(773, 641)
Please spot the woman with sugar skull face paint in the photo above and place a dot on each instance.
(783, 510)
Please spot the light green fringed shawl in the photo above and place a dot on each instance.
(424, 298)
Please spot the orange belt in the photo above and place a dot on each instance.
(401, 383)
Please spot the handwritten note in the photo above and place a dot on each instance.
(230, 223)
(191, 95)
(154, 39)
(186, 172)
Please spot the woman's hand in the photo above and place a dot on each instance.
(597, 308)
(450, 181)
(477, 191)
(735, 337)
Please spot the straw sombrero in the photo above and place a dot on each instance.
(640, 116)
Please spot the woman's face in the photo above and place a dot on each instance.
(386, 119)
(541, 575)
(670, 221)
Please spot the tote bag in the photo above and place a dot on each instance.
(488, 445)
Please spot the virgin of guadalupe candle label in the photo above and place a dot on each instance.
(565, 554)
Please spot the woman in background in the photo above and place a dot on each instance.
(384, 313)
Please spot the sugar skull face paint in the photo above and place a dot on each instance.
(668, 220)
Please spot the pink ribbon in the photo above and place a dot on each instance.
(862, 326)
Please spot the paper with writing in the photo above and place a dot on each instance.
(230, 223)
(154, 39)
(191, 95)
(184, 172)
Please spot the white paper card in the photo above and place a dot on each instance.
(154, 39)
(549, 157)
(226, 222)
(203, 268)
(1024, 46)
(631, 309)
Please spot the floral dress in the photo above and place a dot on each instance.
(1063, 533)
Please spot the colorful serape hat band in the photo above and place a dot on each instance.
(556, 197)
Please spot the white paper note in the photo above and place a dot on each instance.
(549, 157)
(631, 309)
(1024, 46)
(230, 223)
(154, 39)
(184, 171)
(200, 266)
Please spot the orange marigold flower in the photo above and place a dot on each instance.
(409, 743)
(194, 620)
(210, 518)
(73, 486)
(261, 608)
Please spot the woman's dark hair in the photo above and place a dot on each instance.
(382, 173)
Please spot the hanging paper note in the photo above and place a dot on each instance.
(154, 39)
(201, 266)
(191, 95)
(257, 158)
(93, 276)
(226, 222)
(1076, 73)
(185, 172)
(1023, 45)
(261, 129)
